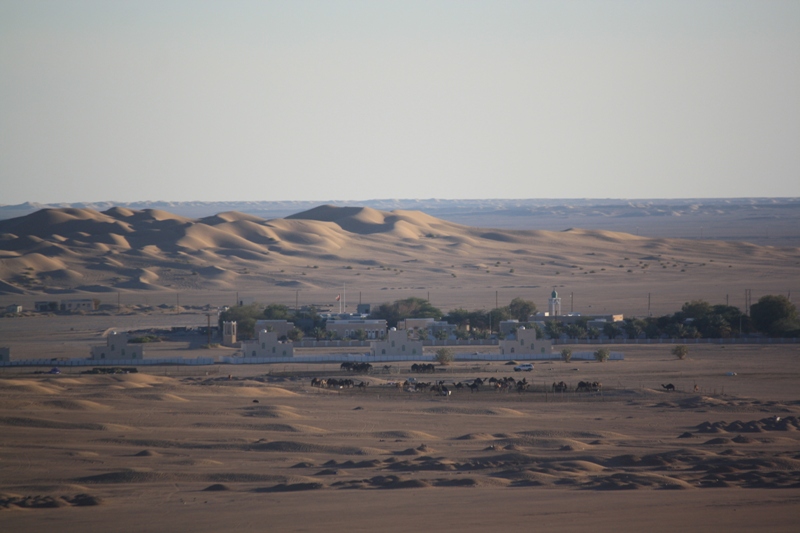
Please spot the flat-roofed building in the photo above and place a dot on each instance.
(526, 343)
(267, 345)
(79, 304)
(117, 347)
(349, 327)
(396, 343)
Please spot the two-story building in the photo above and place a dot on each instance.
(396, 343)
(526, 343)
(117, 347)
(267, 345)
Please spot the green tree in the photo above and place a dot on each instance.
(445, 356)
(521, 309)
(277, 312)
(245, 317)
(553, 329)
(696, 309)
(602, 355)
(408, 308)
(459, 317)
(566, 355)
(295, 334)
(774, 315)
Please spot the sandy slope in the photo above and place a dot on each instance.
(380, 255)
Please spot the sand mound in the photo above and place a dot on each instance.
(77, 405)
(21, 385)
(305, 447)
(403, 434)
(216, 487)
(272, 411)
(254, 391)
(147, 453)
(496, 411)
(40, 423)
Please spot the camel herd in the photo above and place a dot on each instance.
(503, 384)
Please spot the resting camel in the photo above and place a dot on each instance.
(669, 387)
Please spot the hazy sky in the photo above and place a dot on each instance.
(349, 100)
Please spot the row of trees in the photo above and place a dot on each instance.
(771, 315)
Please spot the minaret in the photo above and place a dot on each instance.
(554, 304)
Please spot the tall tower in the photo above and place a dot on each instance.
(554, 304)
(228, 333)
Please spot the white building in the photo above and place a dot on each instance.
(396, 343)
(79, 304)
(267, 345)
(526, 343)
(117, 347)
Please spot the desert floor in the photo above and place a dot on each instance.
(257, 448)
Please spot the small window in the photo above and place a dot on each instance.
(254, 353)
(404, 348)
(383, 352)
(273, 349)
(263, 346)
(392, 344)
(512, 349)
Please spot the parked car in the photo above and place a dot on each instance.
(526, 367)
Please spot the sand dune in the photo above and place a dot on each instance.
(150, 250)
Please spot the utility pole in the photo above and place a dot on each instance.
(648, 305)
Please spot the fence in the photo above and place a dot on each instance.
(109, 362)
(360, 358)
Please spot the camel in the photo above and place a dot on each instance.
(669, 387)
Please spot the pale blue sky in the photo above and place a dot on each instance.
(340, 100)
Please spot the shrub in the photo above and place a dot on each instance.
(566, 355)
(445, 356)
(601, 355)
(680, 351)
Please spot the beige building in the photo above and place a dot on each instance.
(267, 345)
(526, 343)
(396, 343)
(229, 333)
(345, 328)
(117, 347)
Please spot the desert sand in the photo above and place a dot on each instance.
(257, 448)
(167, 449)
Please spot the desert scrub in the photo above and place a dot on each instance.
(602, 355)
(445, 356)
(680, 351)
